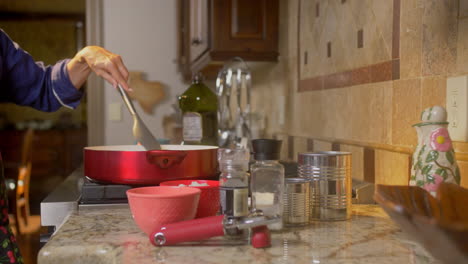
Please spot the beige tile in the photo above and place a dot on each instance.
(369, 112)
(462, 46)
(407, 5)
(320, 145)
(463, 165)
(357, 158)
(433, 90)
(463, 13)
(411, 43)
(284, 145)
(336, 122)
(391, 168)
(406, 111)
(383, 13)
(439, 37)
(300, 146)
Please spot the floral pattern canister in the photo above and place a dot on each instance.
(433, 159)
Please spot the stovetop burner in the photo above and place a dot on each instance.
(103, 193)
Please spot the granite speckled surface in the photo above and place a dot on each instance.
(111, 236)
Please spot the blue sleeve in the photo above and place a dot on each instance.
(26, 82)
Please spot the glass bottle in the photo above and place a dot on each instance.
(267, 179)
(234, 183)
(199, 106)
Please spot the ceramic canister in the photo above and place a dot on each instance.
(434, 158)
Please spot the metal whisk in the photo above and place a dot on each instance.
(234, 112)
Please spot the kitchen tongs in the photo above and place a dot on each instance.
(140, 131)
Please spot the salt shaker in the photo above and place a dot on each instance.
(267, 179)
(234, 183)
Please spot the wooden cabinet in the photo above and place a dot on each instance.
(214, 31)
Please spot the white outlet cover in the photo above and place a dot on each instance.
(115, 111)
(457, 107)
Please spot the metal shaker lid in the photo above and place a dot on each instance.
(266, 149)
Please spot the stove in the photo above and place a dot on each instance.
(96, 193)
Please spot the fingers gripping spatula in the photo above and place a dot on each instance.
(140, 131)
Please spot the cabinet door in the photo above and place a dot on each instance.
(246, 28)
(199, 34)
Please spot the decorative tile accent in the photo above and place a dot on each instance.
(305, 57)
(360, 38)
(310, 145)
(369, 165)
(317, 9)
(291, 148)
(329, 50)
(396, 30)
(336, 147)
(385, 71)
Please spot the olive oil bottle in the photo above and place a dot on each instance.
(199, 107)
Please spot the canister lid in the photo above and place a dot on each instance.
(266, 149)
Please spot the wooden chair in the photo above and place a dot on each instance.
(21, 220)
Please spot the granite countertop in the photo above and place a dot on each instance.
(111, 236)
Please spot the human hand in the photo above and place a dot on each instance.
(103, 62)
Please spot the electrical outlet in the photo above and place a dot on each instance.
(457, 107)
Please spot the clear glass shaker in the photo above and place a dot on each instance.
(267, 179)
(234, 183)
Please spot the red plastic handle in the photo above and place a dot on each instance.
(186, 231)
(165, 158)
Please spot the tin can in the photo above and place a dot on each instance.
(329, 173)
(296, 211)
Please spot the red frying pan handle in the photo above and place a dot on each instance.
(165, 158)
(186, 231)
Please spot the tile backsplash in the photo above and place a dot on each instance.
(358, 73)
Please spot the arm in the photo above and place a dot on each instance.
(104, 63)
(25, 82)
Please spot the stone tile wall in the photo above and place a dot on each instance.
(389, 60)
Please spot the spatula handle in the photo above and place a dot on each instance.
(127, 101)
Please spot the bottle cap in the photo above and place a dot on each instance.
(266, 149)
(197, 77)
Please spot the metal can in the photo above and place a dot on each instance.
(296, 202)
(329, 173)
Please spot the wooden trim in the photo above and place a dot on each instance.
(461, 156)
(5, 15)
(95, 91)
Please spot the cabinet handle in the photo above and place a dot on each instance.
(196, 41)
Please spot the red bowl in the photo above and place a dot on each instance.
(209, 197)
(154, 206)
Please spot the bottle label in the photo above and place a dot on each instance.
(192, 126)
(234, 201)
